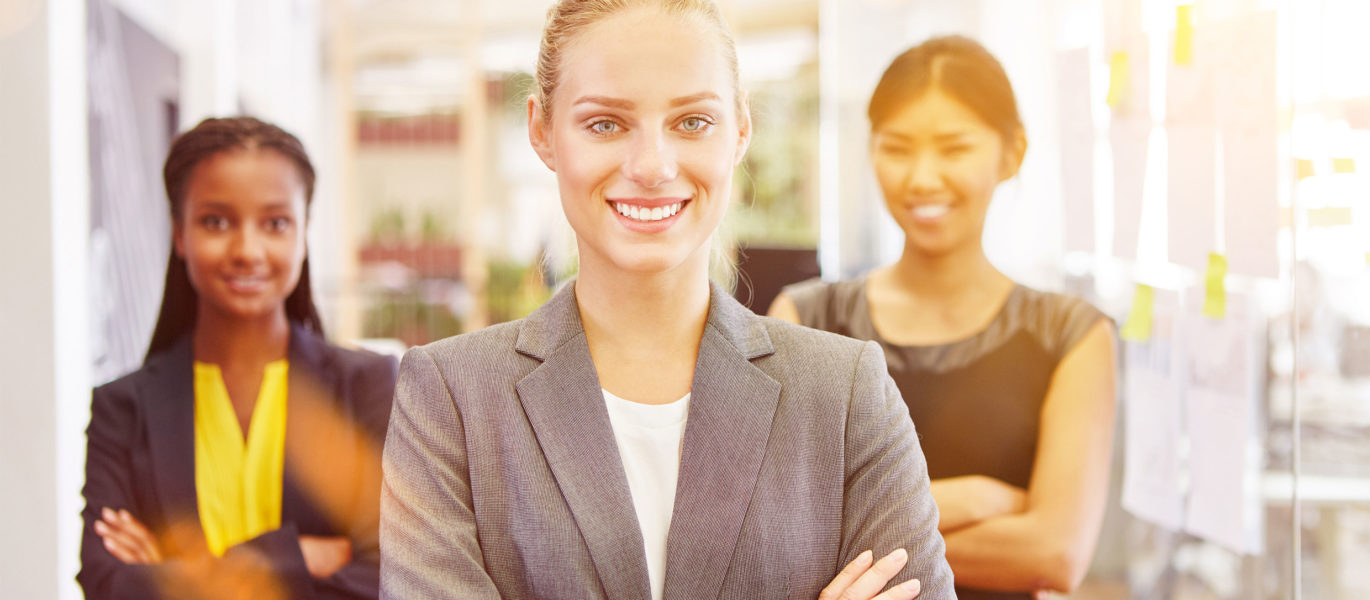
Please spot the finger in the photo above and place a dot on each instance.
(874, 579)
(904, 591)
(146, 541)
(847, 575)
(143, 535)
(120, 549)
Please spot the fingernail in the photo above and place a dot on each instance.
(107, 514)
(912, 586)
(899, 555)
(865, 557)
(123, 514)
(99, 527)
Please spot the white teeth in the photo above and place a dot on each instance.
(930, 211)
(647, 215)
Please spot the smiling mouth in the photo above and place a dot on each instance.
(247, 284)
(645, 214)
(931, 211)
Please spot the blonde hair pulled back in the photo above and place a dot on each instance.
(567, 18)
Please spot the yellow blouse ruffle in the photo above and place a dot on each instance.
(238, 484)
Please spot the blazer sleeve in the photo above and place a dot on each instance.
(887, 499)
(372, 388)
(271, 561)
(429, 546)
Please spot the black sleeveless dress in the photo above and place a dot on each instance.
(977, 402)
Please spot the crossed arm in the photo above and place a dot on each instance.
(1001, 537)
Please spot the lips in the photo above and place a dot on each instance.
(648, 215)
(246, 284)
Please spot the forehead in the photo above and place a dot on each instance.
(934, 113)
(643, 55)
(245, 176)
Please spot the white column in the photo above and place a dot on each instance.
(44, 357)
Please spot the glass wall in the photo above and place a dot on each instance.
(1196, 169)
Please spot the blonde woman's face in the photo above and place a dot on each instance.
(643, 136)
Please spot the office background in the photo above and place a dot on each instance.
(432, 217)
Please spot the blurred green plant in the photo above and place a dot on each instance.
(406, 317)
(513, 289)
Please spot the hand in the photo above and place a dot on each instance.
(323, 556)
(860, 580)
(126, 538)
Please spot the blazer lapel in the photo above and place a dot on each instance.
(170, 393)
(732, 404)
(310, 437)
(565, 406)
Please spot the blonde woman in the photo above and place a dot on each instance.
(642, 435)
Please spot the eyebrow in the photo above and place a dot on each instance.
(940, 137)
(622, 104)
(693, 98)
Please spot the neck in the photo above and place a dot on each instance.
(224, 340)
(945, 278)
(643, 312)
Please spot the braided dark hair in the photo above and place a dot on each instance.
(180, 302)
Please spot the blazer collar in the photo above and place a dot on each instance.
(169, 390)
(732, 404)
(558, 321)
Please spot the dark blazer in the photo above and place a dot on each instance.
(141, 457)
(503, 479)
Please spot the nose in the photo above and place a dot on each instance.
(248, 245)
(924, 176)
(651, 161)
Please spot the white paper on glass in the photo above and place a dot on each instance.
(1224, 504)
(1130, 138)
(1152, 421)
(1191, 165)
(1244, 77)
(1075, 115)
(1191, 195)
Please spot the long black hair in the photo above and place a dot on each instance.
(180, 302)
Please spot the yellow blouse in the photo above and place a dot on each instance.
(238, 483)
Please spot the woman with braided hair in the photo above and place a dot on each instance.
(242, 458)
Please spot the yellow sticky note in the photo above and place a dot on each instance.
(1329, 216)
(1138, 325)
(1118, 79)
(1215, 295)
(1184, 34)
(1343, 165)
(1303, 168)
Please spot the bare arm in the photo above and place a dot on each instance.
(969, 499)
(1049, 545)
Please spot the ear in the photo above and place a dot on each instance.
(1014, 150)
(744, 129)
(540, 133)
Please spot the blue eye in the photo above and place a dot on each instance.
(604, 127)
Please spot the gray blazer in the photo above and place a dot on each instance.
(502, 476)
